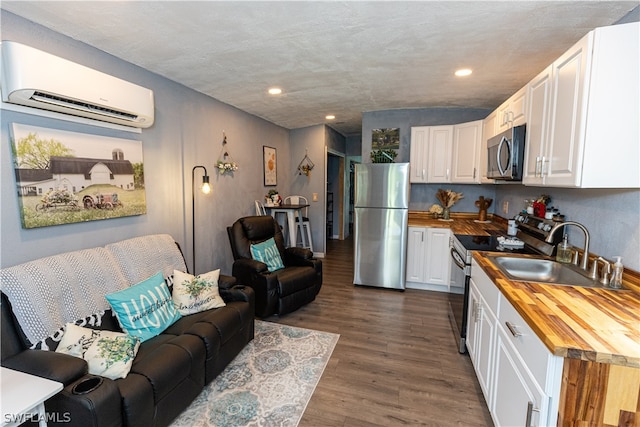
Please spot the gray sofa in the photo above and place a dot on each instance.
(169, 370)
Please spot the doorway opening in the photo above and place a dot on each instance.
(335, 196)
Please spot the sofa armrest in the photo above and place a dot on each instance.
(226, 282)
(301, 257)
(237, 293)
(249, 265)
(296, 252)
(48, 364)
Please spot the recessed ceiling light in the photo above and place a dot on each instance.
(463, 72)
(275, 91)
(329, 117)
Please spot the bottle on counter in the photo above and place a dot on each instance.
(616, 276)
(563, 251)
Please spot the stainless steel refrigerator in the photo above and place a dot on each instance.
(381, 208)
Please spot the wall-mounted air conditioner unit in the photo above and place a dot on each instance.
(38, 79)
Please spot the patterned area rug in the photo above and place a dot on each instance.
(268, 384)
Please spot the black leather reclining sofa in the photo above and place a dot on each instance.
(168, 372)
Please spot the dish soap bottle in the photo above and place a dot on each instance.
(616, 277)
(563, 252)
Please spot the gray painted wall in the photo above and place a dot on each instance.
(311, 139)
(187, 132)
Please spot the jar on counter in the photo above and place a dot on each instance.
(564, 250)
(529, 206)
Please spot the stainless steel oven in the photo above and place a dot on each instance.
(458, 297)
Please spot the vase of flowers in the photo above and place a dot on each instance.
(436, 210)
(447, 199)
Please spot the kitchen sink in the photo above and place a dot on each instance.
(543, 270)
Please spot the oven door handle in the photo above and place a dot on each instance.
(457, 259)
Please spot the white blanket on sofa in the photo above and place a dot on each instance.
(48, 292)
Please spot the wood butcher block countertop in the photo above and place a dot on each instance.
(598, 325)
(592, 324)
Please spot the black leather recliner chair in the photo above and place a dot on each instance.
(282, 291)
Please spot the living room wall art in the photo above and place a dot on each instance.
(66, 177)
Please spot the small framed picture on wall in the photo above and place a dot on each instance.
(270, 165)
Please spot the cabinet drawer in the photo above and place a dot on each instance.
(530, 348)
(487, 288)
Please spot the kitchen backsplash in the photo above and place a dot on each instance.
(612, 216)
(422, 196)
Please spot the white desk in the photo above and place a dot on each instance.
(291, 211)
(23, 397)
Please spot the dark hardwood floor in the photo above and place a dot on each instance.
(396, 362)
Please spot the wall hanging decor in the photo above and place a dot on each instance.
(269, 165)
(306, 165)
(384, 143)
(66, 177)
(225, 163)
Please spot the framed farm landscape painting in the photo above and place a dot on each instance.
(66, 177)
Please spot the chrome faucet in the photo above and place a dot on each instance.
(584, 263)
(606, 270)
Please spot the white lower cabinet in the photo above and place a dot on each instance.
(519, 401)
(416, 248)
(481, 333)
(428, 261)
(519, 377)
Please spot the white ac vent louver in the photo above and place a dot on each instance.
(38, 79)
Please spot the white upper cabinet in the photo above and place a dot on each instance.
(418, 154)
(442, 154)
(537, 126)
(439, 157)
(513, 111)
(467, 142)
(582, 126)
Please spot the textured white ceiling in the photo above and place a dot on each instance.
(336, 57)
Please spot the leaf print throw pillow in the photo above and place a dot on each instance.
(193, 294)
(108, 354)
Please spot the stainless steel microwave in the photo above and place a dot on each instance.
(505, 152)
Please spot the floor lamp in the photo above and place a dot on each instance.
(206, 189)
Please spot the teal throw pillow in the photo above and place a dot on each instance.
(146, 309)
(268, 253)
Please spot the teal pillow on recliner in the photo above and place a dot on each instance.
(268, 253)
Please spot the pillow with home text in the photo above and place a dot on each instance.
(146, 309)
